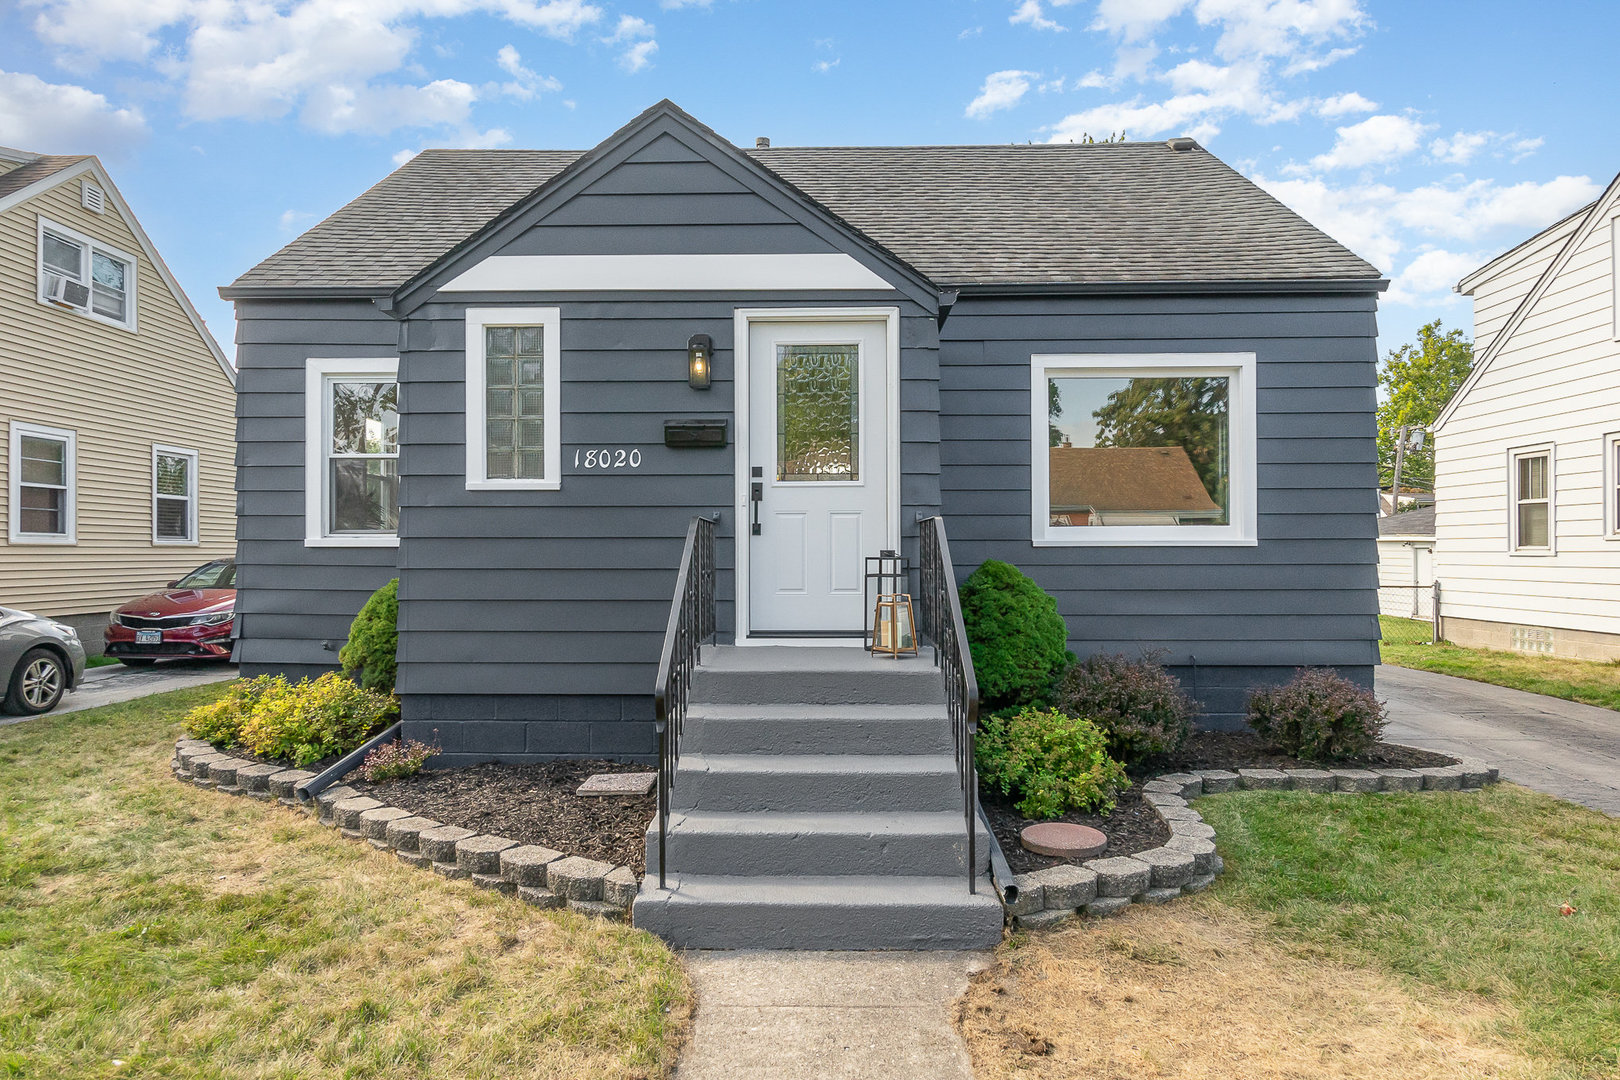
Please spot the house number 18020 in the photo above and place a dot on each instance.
(605, 458)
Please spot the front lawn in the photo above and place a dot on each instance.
(1591, 682)
(1351, 936)
(153, 929)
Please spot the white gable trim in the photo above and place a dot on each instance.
(666, 273)
(1514, 255)
(93, 167)
(1598, 217)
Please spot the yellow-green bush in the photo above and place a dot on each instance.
(220, 721)
(313, 720)
(1048, 761)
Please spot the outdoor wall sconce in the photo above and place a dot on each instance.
(699, 360)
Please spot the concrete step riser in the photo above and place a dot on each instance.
(843, 926)
(918, 685)
(796, 792)
(724, 853)
(769, 736)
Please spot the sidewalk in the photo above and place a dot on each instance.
(827, 1016)
(1560, 747)
(114, 683)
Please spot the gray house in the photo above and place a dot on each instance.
(475, 377)
(527, 382)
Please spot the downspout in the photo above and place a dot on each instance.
(306, 790)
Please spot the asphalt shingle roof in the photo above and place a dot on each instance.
(1102, 213)
(36, 170)
(1419, 522)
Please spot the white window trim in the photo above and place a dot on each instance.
(70, 500)
(549, 319)
(317, 371)
(1242, 484)
(1513, 455)
(191, 496)
(91, 245)
(1611, 480)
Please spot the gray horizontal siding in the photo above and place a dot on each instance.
(292, 599)
(1305, 595)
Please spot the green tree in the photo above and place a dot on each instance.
(1415, 382)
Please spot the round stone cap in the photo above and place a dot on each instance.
(1063, 840)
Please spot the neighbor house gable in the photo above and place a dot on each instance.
(1600, 216)
(118, 226)
(665, 168)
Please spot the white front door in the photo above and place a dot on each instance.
(818, 462)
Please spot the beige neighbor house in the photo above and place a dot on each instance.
(1527, 454)
(117, 407)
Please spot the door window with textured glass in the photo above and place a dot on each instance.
(818, 413)
(515, 402)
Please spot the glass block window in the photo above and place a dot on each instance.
(514, 402)
(818, 413)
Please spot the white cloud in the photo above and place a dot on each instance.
(1029, 13)
(824, 66)
(676, 5)
(292, 220)
(638, 32)
(1429, 277)
(1376, 140)
(970, 32)
(1461, 147)
(1523, 148)
(1001, 90)
(1345, 104)
(525, 83)
(328, 62)
(1135, 19)
(62, 118)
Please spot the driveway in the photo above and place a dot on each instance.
(109, 685)
(1559, 747)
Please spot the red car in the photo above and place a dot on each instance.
(192, 618)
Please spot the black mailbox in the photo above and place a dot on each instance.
(695, 434)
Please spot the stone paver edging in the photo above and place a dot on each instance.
(1187, 862)
(537, 875)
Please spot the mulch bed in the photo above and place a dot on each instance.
(1132, 825)
(532, 804)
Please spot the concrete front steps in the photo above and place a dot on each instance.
(817, 806)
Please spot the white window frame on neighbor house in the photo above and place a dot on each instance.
(70, 493)
(89, 247)
(191, 538)
(1514, 456)
(478, 320)
(1611, 486)
(1242, 487)
(319, 374)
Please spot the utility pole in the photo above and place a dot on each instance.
(1409, 434)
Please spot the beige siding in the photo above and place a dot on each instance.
(121, 392)
(1557, 381)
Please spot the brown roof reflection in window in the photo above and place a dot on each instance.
(1128, 485)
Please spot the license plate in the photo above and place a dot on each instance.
(148, 637)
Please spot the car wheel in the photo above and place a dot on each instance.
(37, 684)
(136, 661)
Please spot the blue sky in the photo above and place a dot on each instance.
(1427, 136)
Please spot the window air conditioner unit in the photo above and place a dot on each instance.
(66, 291)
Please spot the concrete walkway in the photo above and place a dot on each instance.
(827, 1016)
(1559, 747)
(112, 684)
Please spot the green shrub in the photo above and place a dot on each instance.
(1017, 638)
(313, 720)
(1319, 716)
(220, 721)
(390, 761)
(1048, 761)
(370, 655)
(1137, 703)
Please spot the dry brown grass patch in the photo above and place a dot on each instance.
(1194, 991)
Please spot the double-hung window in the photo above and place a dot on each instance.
(85, 275)
(1530, 485)
(1143, 449)
(43, 491)
(174, 495)
(351, 466)
(513, 407)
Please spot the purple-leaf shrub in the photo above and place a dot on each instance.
(1137, 703)
(1318, 716)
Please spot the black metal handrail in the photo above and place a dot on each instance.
(942, 625)
(691, 623)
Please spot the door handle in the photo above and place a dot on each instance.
(757, 498)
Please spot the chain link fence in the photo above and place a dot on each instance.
(1408, 614)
